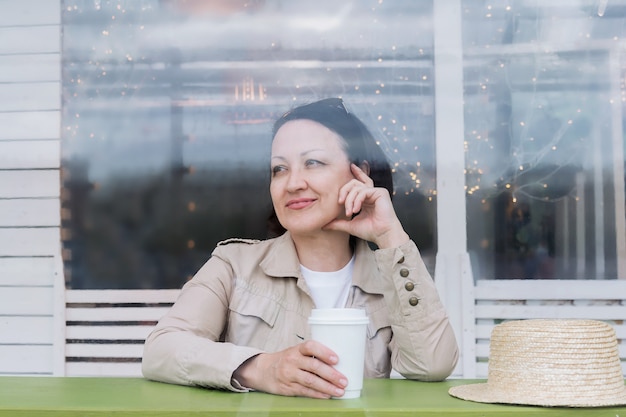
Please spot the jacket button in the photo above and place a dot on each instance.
(409, 286)
(404, 272)
(413, 301)
(401, 260)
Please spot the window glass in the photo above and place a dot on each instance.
(167, 113)
(544, 138)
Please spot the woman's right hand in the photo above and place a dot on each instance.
(304, 370)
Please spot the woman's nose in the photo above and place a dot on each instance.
(296, 181)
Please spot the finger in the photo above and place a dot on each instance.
(320, 360)
(360, 175)
(346, 188)
(323, 377)
(318, 373)
(355, 199)
(312, 348)
(310, 385)
(349, 194)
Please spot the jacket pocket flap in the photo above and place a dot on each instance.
(247, 303)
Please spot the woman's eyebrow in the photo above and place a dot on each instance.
(304, 153)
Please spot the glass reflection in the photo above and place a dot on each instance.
(544, 139)
(168, 108)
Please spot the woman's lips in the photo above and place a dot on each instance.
(300, 203)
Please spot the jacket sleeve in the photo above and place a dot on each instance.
(423, 346)
(185, 347)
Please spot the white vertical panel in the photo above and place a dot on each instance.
(617, 138)
(30, 125)
(44, 241)
(30, 96)
(29, 184)
(598, 202)
(29, 154)
(30, 212)
(452, 263)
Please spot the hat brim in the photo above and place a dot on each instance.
(484, 393)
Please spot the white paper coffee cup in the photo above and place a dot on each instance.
(344, 331)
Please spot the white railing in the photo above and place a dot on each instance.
(105, 329)
(500, 300)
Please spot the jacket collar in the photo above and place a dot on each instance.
(282, 261)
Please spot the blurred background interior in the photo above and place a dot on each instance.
(168, 107)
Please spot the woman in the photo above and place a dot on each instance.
(241, 322)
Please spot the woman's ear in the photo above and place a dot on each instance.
(365, 166)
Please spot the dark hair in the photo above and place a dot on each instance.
(360, 144)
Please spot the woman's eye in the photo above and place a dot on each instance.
(313, 162)
(277, 169)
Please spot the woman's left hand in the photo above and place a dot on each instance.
(370, 213)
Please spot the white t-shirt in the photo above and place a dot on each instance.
(329, 289)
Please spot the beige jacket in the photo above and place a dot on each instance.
(250, 297)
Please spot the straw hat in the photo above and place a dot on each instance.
(552, 363)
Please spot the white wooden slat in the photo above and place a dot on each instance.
(30, 184)
(122, 296)
(30, 96)
(30, 212)
(25, 359)
(79, 332)
(31, 12)
(85, 350)
(115, 314)
(549, 289)
(26, 301)
(103, 369)
(30, 125)
(556, 312)
(32, 39)
(26, 330)
(28, 68)
(29, 154)
(26, 271)
(42, 241)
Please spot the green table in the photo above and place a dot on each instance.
(85, 397)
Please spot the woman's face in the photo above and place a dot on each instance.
(309, 165)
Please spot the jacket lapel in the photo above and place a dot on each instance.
(282, 261)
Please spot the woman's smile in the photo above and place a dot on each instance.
(300, 203)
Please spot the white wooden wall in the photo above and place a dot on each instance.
(31, 282)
